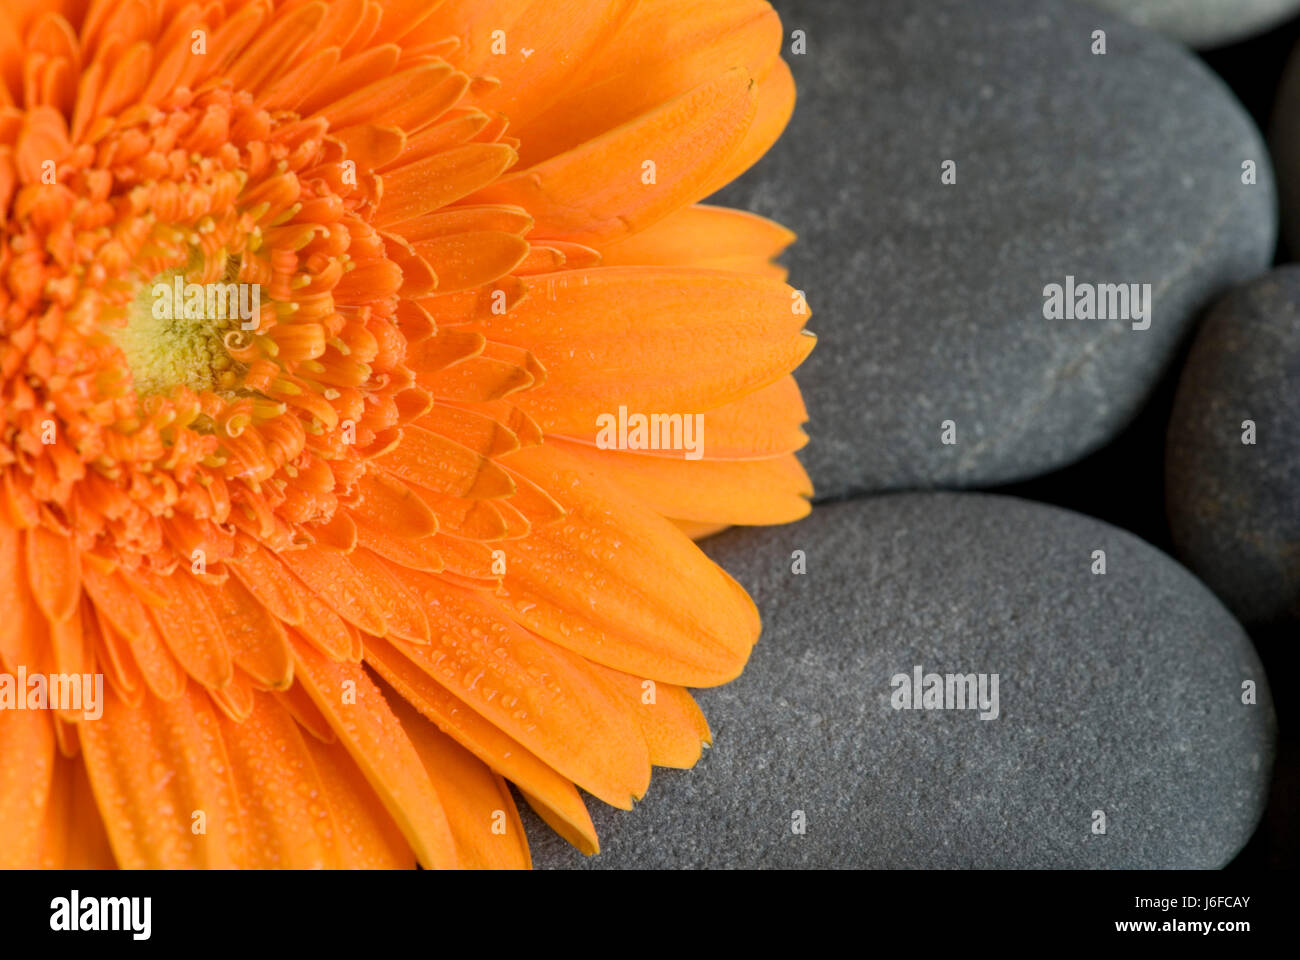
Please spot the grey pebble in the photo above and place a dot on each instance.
(1204, 23)
(1234, 506)
(929, 298)
(1119, 693)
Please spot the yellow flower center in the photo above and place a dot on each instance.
(177, 332)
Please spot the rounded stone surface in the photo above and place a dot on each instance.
(1232, 471)
(1204, 23)
(929, 296)
(1119, 704)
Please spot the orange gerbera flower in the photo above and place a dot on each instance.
(354, 558)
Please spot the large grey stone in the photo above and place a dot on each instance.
(1234, 507)
(929, 298)
(1204, 23)
(1119, 693)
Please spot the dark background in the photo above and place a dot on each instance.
(1123, 483)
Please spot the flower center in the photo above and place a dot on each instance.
(177, 333)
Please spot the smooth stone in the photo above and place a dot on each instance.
(1234, 508)
(1120, 693)
(1204, 23)
(1284, 140)
(929, 299)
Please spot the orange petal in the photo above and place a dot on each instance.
(467, 219)
(57, 828)
(698, 531)
(481, 433)
(446, 347)
(434, 182)
(334, 580)
(278, 45)
(545, 788)
(54, 571)
(517, 525)
(776, 96)
(479, 807)
(673, 725)
(407, 18)
(289, 90)
(27, 770)
(255, 638)
(371, 145)
(414, 554)
(631, 336)
(88, 847)
(464, 260)
(465, 306)
(235, 699)
(602, 190)
(666, 49)
(702, 236)
(224, 44)
(477, 380)
(374, 737)
(117, 661)
(324, 629)
(455, 127)
(666, 611)
(338, 533)
(298, 702)
(190, 629)
(159, 669)
(126, 80)
(494, 666)
(571, 256)
(520, 424)
(366, 836)
(71, 644)
(762, 424)
(267, 579)
(23, 630)
(755, 492)
(280, 811)
(418, 278)
(537, 506)
(544, 49)
(402, 612)
(444, 466)
(541, 259)
(389, 504)
(467, 559)
(116, 602)
(154, 769)
(409, 99)
(758, 426)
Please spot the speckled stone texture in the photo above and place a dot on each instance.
(928, 298)
(1204, 23)
(1234, 508)
(1119, 692)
